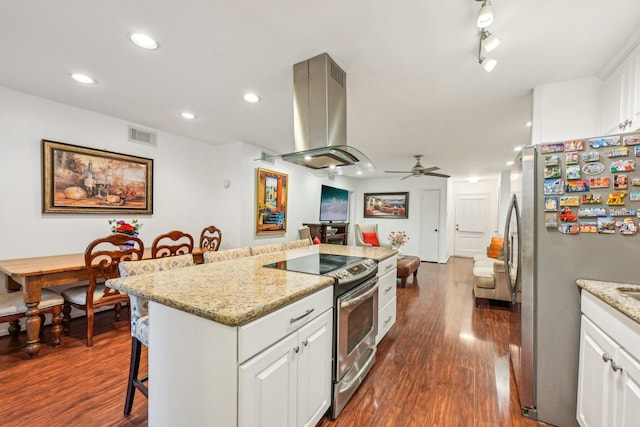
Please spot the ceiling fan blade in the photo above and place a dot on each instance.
(431, 169)
(408, 176)
(440, 175)
(397, 171)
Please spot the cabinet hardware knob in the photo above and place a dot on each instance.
(388, 289)
(295, 319)
(388, 320)
(296, 349)
(606, 358)
(615, 367)
(305, 343)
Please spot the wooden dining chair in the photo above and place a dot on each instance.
(171, 244)
(101, 259)
(140, 318)
(13, 308)
(211, 238)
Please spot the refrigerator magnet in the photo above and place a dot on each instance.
(606, 225)
(591, 199)
(550, 204)
(576, 186)
(634, 196)
(574, 145)
(636, 150)
(551, 220)
(567, 216)
(573, 172)
(592, 212)
(552, 148)
(594, 168)
(633, 139)
(569, 228)
(635, 182)
(627, 227)
(588, 227)
(621, 212)
(553, 186)
(591, 156)
(616, 198)
(618, 152)
(605, 141)
(553, 160)
(571, 158)
(569, 201)
(603, 182)
(620, 182)
(623, 166)
(552, 172)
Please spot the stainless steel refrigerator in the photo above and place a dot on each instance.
(542, 267)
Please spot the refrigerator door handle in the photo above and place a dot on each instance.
(508, 246)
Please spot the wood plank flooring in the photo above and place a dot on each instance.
(444, 363)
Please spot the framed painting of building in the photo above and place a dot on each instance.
(86, 180)
(271, 202)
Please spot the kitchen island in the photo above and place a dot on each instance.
(210, 322)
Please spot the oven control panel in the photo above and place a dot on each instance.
(354, 271)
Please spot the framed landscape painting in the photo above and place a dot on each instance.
(271, 202)
(386, 205)
(85, 180)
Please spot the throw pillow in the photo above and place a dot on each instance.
(370, 238)
(495, 247)
(316, 241)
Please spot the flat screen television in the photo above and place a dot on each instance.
(334, 204)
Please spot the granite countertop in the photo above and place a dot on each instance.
(237, 291)
(609, 292)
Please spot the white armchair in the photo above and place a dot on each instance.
(361, 238)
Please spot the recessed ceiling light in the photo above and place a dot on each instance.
(82, 78)
(518, 148)
(473, 180)
(251, 97)
(528, 124)
(509, 163)
(187, 115)
(143, 41)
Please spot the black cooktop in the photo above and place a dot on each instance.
(315, 263)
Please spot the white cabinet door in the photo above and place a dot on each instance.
(615, 97)
(628, 401)
(314, 369)
(595, 384)
(267, 386)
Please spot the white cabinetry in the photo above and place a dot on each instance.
(620, 97)
(387, 279)
(289, 383)
(608, 374)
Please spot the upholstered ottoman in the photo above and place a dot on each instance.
(406, 266)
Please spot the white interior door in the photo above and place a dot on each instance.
(471, 225)
(430, 250)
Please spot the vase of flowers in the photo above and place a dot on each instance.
(123, 227)
(397, 239)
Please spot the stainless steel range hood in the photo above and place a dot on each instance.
(320, 120)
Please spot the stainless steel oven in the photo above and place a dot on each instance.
(356, 329)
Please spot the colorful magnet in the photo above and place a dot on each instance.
(575, 145)
(603, 182)
(636, 150)
(567, 216)
(553, 160)
(605, 141)
(552, 172)
(633, 139)
(591, 156)
(553, 186)
(552, 148)
(635, 182)
(569, 201)
(618, 152)
(634, 196)
(569, 228)
(551, 220)
(588, 227)
(592, 212)
(621, 212)
(606, 225)
(591, 199)
(573, 172)
(571, 158)
(593, 168)
(627, 227)
(550, 204)
(620, 182)
(576, 186)
(623, 166)
(616, 198)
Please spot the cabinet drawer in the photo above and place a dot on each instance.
(261, 333)
(386, 319)
(386, 265)
(386, 288)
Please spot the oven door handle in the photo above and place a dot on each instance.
(348, 302)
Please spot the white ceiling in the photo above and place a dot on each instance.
(413, 82)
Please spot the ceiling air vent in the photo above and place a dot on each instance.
(142, 136)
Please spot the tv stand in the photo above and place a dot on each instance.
(320, 231)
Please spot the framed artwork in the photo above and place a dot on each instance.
(271, 202)
(386, 205)
(85, 180)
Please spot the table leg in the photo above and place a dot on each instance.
(33, 329)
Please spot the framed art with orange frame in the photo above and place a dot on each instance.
(271, 202)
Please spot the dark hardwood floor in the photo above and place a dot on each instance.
(444, 363)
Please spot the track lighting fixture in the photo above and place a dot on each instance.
(485, 17)
(489, 41)
(487, 63)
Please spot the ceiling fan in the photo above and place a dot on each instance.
(419, 170)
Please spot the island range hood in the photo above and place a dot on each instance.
(320, 120)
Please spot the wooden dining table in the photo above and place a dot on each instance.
(30, 275)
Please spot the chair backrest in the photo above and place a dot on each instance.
(364, 228)
(102, 258)
(266, 249)
(305, 233)
(171, 244)
(214, 256)
(211, 238)
(297, 244)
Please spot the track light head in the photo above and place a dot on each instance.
(488, 63)
(485, 17)
(489, 41)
